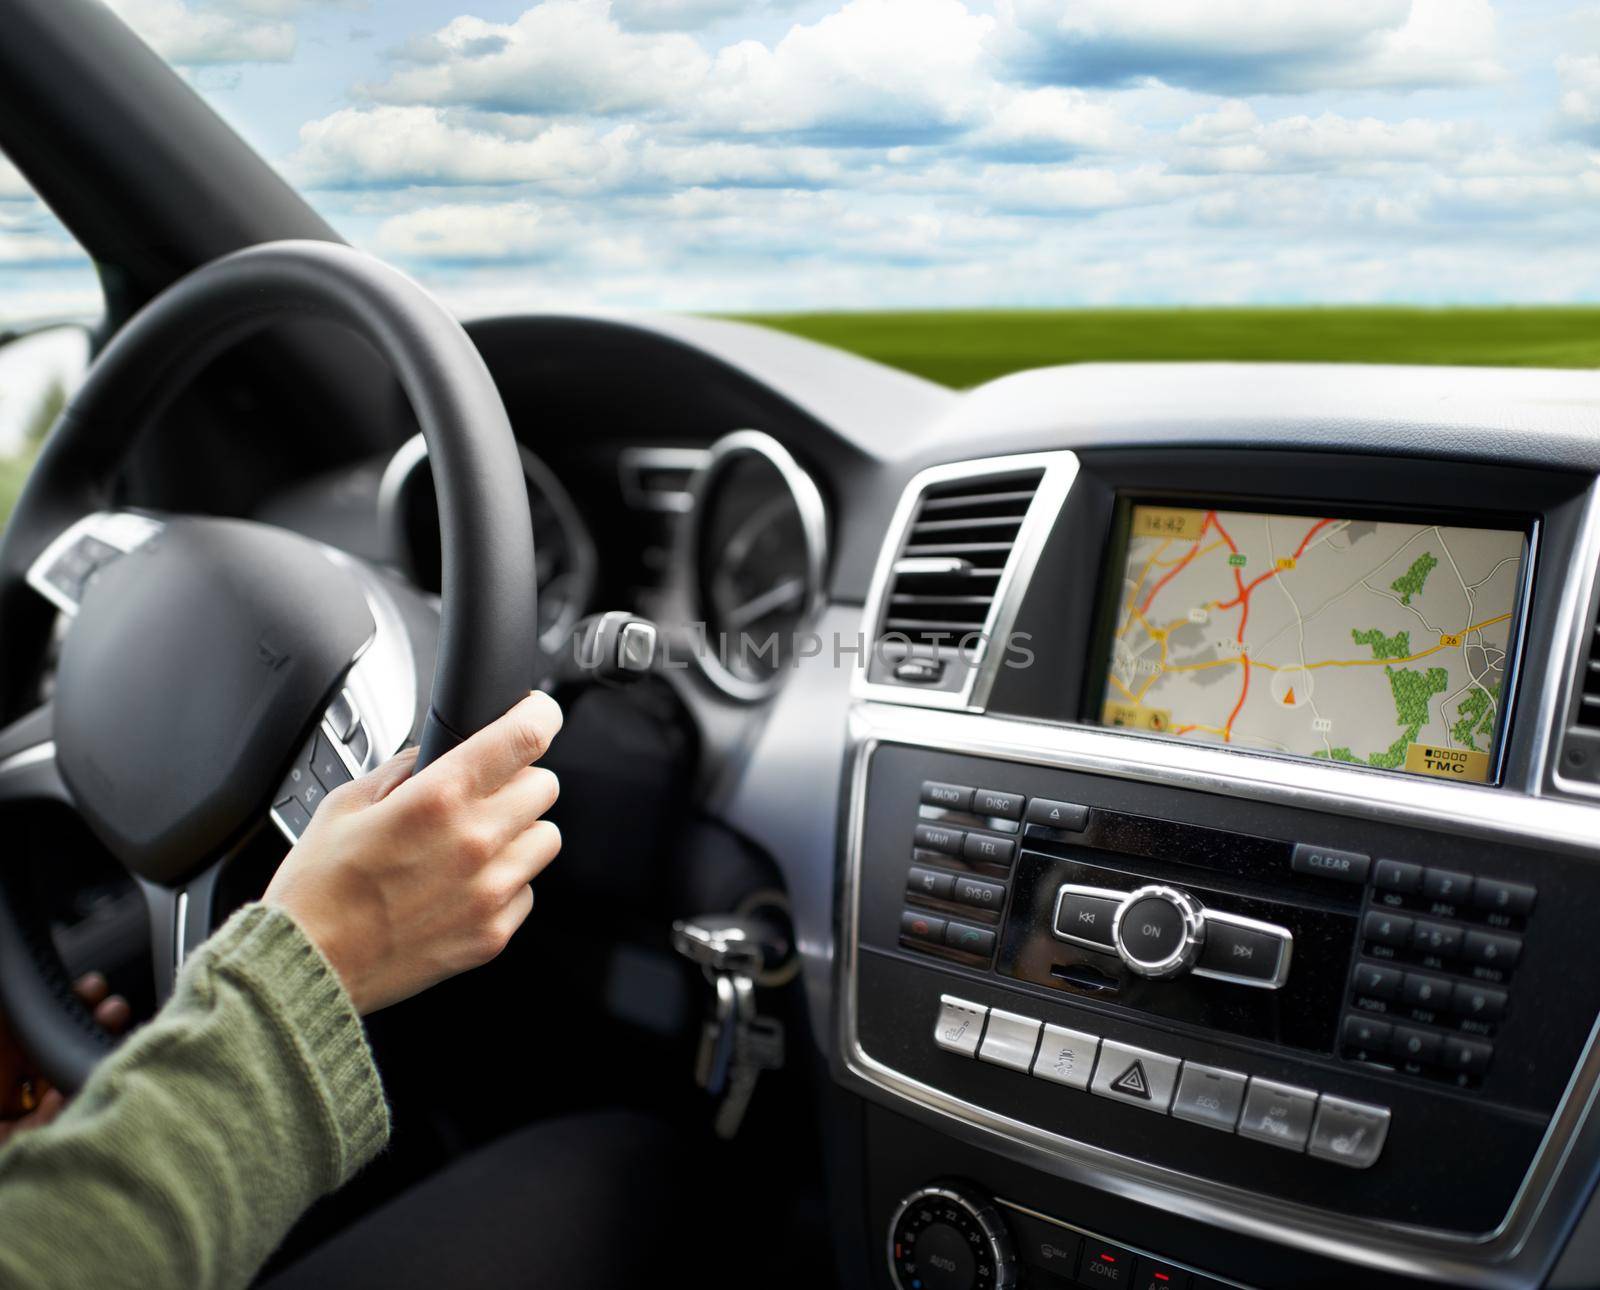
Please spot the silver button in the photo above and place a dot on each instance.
(1135, 1075)
(1278, 1113)
(1066, 1056)
(1010, 1040)
(1349, 1133)
(1210, 1095)
(959, 1026)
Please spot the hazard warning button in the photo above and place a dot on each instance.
(1135, 1075)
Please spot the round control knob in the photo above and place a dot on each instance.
(1159, 931)
(947, 1237)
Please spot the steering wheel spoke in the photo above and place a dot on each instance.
(82, 549)
(180, 920)
(28, 769)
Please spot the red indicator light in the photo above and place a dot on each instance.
(1162, 1276)
(1108, 1258)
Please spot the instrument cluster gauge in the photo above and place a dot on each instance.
(756, 538)
(566, 565)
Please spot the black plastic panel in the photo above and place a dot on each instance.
(1454, 1157)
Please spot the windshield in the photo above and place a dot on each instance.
(843, 159)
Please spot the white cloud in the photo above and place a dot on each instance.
(190, 36)
(1250, 46)
(872, 72)
(680, 15)
(425, 145)
(562, 56)
(1233, 139)
(1580, 94)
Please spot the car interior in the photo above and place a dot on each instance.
(952, 953)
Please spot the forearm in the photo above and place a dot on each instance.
(196, 1146)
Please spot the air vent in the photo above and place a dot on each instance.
(945, 578)
(1578, 760)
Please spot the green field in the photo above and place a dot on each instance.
(963, 348)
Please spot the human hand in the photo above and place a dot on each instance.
(27, 1101)
(402, 881)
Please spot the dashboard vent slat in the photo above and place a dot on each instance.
(956, 548)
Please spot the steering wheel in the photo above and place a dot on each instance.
(212, 670)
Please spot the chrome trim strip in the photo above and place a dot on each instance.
(34, 756)
(813, 523)
(1060, 470)
(1514, 1254)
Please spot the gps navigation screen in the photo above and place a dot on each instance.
(1382, 643)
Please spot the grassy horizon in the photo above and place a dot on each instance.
(967, 347)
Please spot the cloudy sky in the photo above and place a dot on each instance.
(793, 154)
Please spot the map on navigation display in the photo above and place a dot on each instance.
(1378, 642)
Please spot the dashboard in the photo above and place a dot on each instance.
(1184, 781)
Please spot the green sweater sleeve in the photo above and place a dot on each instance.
(193, 1149)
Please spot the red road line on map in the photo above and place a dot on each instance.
(1244, 690)
(1181, 565)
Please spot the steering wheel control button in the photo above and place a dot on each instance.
(293, 818)
(984, 895)
(327, 765)
(959, 1026)
(1135, 1076)
(1064, 817)
(1010, 1040)
(1504, 897)
(1159, 931)
(1348, 1133)
(982, 848)
(1327, 862)
(302, 785)
(1004, 806)
(1210, 1096)
(1066, 1056)
(934, 883)
(341, 716)
(969, 939)
(1244, 951)
(1278, 1113)
(917, 926)
(1084, 916)
(935, 837)
(1398, 876)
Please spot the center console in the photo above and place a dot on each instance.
(1256, 898)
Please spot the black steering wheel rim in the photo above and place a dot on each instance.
(488, 614)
